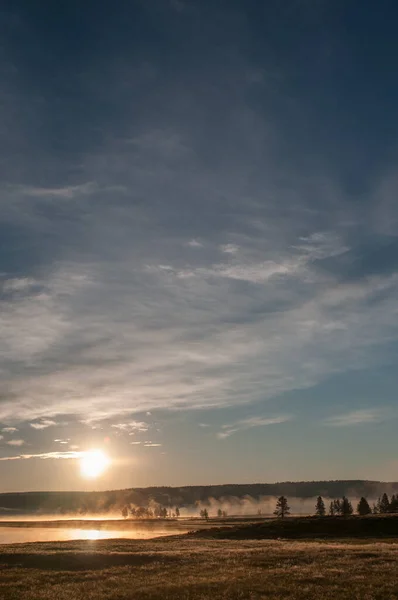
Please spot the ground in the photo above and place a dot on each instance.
(189, 567)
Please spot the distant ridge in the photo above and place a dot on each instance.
(187, 496)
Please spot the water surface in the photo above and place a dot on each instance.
(13, 535)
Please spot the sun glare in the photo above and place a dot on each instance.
(93, 463)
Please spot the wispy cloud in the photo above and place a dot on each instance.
(195, 244)
(66, 192)
(251, 272)
(15, 442)
(108, 311)
(9, 429)
(46, 455)
(17, 284)
(152, 445)
(359, 417)
(229, 248)
(131, 427)
(250, 422)
(43, 424)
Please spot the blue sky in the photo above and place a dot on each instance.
(198, 241)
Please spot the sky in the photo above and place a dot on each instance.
(198, 241)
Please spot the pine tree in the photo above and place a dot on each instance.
(346, 507)
(177, 512)
(282, 508)
(331, 509)
(338, 509)
(363, 507)
(394, 504)
(320, 509)
(384, 506)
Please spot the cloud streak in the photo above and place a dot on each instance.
(364, 416)
(250, 422)
(46, 456)
(44, 424)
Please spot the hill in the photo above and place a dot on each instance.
(235, 495)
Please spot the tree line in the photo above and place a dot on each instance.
(156, 512)
(343, 507)
(338, 507)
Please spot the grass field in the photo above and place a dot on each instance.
(189, 567)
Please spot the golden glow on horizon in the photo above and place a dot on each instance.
(93, 463)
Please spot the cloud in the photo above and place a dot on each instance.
(229, 249)
(150, 445)
(184, 342)
(67, 192)
(9, 429)
(250, 422)
(195, 244)
(15, 442)
(251, 272)
(43, 424)
(46, 456)
(131, 427)
(105, 309)
(18, 284)
(321, 244)
(359, 417)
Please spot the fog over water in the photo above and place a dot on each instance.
(54, 527)
(14, 535)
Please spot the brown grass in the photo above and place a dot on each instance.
(186, 568)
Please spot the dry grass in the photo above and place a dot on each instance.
(183, 568)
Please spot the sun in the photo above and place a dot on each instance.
(93, 463)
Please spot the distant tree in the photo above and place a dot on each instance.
(384, 505)
(346, 507)
(219, 513)
(320, 509)
(204, 514)
(141, 512)
(337, 507)
(363, 507)
(375, 510)
(177, 512)
(282, 508)
(394, 504)
(331, 509)
(125, 512)
(224, 514)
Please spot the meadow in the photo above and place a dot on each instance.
(188, 567)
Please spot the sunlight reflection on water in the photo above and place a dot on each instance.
(12, 535)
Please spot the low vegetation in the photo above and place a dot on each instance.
(308, 528)
(185, 568)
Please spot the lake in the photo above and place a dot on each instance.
(57, 531)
